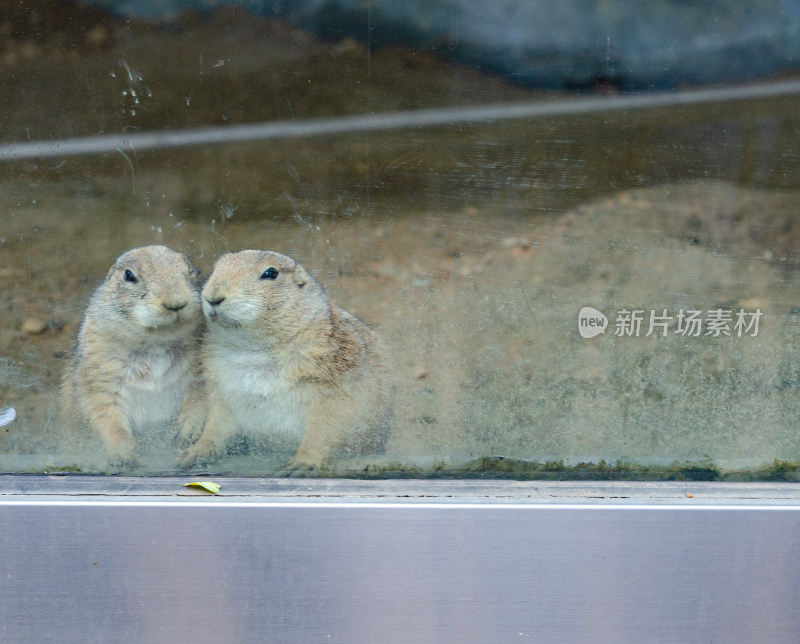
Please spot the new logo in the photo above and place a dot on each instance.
(591, 322)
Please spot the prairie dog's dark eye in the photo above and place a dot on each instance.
(129, 276)
(270, 274)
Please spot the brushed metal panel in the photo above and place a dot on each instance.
(305, 572)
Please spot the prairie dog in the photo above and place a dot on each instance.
(280, 359)
(137, 348)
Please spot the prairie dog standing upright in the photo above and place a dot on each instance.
(280, 359)
(137, 348)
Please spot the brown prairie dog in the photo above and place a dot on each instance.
(136, 351)
(280, 359)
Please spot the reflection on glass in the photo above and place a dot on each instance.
(600, 295)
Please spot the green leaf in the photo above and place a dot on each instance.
(208, 486)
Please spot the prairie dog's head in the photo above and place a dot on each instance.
(152, 288)
(261, 289)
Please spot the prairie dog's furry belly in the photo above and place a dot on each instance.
(259, 397)
(153, 388)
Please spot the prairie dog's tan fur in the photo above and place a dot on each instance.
(137, 349)
(280, 359)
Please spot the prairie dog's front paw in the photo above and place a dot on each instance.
(189, 427)
(301, 466)
(121, 450)
(200, 452)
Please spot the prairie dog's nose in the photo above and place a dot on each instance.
(214, 291)
(174, 306)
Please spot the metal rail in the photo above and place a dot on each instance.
(273, 130)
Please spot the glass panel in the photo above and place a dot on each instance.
(607, 291)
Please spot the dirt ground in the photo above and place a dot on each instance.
(470, 248)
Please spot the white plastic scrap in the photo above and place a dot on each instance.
(7, 414)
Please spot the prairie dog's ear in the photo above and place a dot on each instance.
(301, 278)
